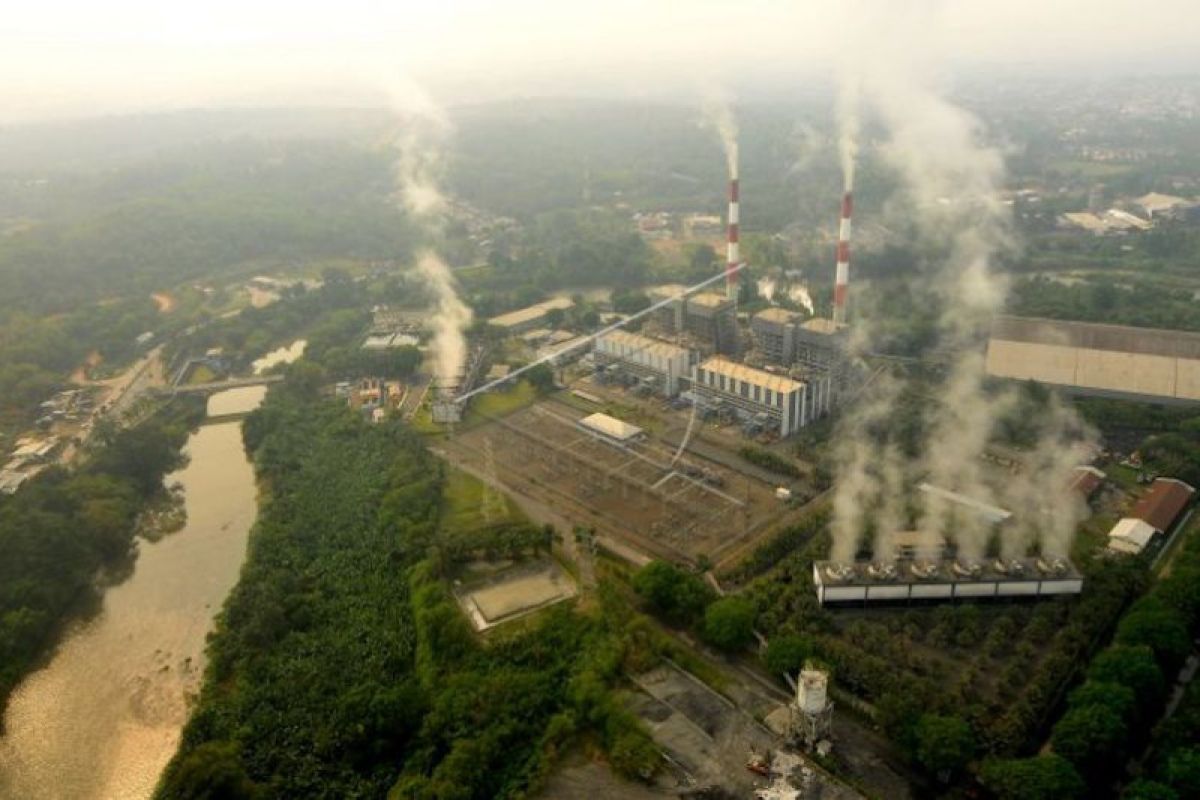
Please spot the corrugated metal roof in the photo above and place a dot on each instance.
(1130, 535)
(754, 377)
(1163, 503)
(645, 344)
(1097, 336)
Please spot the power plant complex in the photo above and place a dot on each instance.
(781, 374)
(774, 373)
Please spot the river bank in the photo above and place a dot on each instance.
(103, 716)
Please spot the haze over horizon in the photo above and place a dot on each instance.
(69, 59)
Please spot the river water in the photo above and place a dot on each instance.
(101, 719)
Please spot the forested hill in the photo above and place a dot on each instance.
(194, 214)
(341, 667)
(39, 149)
(527, 157)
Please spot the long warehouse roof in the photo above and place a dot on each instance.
(645, 344)
(755, 377)
(1097, 336)
(523, 315)
(1163, 504)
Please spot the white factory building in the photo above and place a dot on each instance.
(663, 362)
(789, 404)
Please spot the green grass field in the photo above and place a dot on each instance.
(201, 374)
(468, 503)
(487, 406)
(499, 403)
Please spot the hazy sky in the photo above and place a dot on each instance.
(67, 57)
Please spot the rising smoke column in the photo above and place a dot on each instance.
(951, 190)
(849, 125)
(419, 145)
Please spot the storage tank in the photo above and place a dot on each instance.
(811, 691)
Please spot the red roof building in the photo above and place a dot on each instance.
(1086, 480)
(1163, 504)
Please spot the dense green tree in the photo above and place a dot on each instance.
(1047, 777)
(729, 623)
(1181, 589)
(1183, 771)
(629, 301)
(541, 377)
(945, 744)
(1132, 666)
(677, 596)
(788, 652)
(212, 771)
(1091, 737)
(1153, 623)
(1148, 790)
(143, 454)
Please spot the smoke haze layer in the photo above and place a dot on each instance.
(718, 114)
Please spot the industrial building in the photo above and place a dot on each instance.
(525, 319)
(655, 362)
(774, 332)
(1130, 536)
(1153, 515)
(754, 395)
(564, 351)
(1090, 358)
(707, 319)
(610, 428)
(1085, 481)
(864, 583)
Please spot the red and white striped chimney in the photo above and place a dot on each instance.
(732, 257)
(841, 284)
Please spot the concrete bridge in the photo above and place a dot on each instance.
(228, 383)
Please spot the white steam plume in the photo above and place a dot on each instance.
(419, 144)
(718, 115)
(451, 317)
(848, 126)
(951, 186)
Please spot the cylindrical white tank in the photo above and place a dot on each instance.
(811, 691)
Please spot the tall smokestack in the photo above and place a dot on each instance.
(841, 285)
(733, 257)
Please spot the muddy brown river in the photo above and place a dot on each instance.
(103, 716)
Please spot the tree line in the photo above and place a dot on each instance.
(342, 665)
